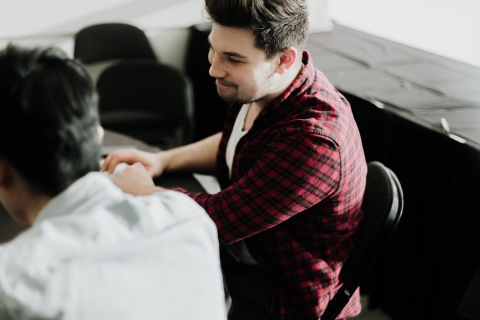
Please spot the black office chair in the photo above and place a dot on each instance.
(109, 41)
(149, 101)
(382, 208)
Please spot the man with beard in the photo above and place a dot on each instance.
(289, 160)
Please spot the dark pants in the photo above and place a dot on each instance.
(248, 288)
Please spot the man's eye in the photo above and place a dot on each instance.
(234, 61)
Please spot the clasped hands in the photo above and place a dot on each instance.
(137, 178)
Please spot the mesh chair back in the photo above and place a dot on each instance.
(136, 97)
(109, 41)
(382, 208)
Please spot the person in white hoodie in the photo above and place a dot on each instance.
(92, 251)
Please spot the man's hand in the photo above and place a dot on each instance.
(153, 162)
(136, 180)
(197, 157)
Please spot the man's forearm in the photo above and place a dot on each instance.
(196, 157)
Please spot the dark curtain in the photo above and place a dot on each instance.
(432, 257)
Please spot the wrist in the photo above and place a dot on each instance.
(164, 159)
(149, 191)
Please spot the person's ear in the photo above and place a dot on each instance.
(100, 133)
(287, 59)
(5, 172)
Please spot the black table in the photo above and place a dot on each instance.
(9, 228)
(113, 140)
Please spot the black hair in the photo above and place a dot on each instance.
(48, 117)
(276, 24)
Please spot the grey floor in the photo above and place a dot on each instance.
(368, 314)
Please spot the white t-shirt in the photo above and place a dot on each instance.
(243, 255)
(237, 134)
(95, 252)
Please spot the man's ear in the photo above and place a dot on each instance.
(100, 133)
(287, 59)
(5, 172)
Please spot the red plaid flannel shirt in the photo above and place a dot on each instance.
(297, 185)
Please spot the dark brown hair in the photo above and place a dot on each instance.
(276, 24)
(49, 118)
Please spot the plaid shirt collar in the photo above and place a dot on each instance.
(304, 80)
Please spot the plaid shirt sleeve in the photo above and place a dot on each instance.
(295, 171)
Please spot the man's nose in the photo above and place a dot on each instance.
(217, 69)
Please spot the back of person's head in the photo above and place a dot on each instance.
(48, 118)
(276, 24)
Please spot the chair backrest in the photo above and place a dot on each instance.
(109, 41)
(155, 93)
(382, 209)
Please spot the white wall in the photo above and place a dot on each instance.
(447, 27)
(33, 22)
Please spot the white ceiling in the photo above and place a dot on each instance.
(446, 27)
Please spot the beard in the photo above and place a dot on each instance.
(231, 98)
(235, 97)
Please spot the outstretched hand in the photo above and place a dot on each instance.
(152, 162)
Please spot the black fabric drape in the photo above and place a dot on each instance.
(426, 268)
